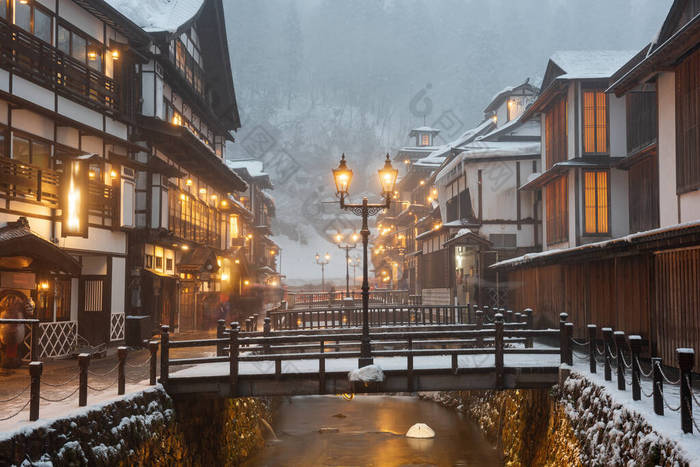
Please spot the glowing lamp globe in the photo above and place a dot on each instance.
(342, 176)
(387, 177)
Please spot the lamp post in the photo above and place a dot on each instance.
(347, 247)
(322, 263)
(387, 177)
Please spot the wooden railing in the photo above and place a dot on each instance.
(494, 338)
(19, 179)
(308, 299)
(33, 59)
(100, 199)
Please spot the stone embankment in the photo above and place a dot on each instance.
(576, 423)
(145, 428)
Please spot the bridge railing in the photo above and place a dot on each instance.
(495, 339)
(329, 299)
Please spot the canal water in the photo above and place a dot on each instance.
(369, 431)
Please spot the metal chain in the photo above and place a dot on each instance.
(61, 399)
(624, 361)
(56, 385)
(639, 366)
(16, 395)
(93, 373)
(663, 375)
(104, 388)
(642, 390)
(139, 365)
(16, 413)
(582, 343)
(690, 388)
(665, 402)
(690, 410)
(600, 352)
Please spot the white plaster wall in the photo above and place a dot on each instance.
(68, 136)
(74, 298)
(41, 227)
(618, 125)
(571, 191)
(668, 201)
(81, 19)
(116, 128)
(571, 120)
(5, 80)
(32, 123)
(690, 206)
(118, 284)
(99, 240)
(94, 265)
(147, 84)
(32, 92)
(498, 190)
(29, 209)
(50, 4)
(79, 113)
(92, 145)
(619, 203)
(4, 109)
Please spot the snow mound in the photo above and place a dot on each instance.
(420, 430)
(367, 374)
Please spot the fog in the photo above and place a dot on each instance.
(316, 78)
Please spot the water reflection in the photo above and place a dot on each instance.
(369, 430)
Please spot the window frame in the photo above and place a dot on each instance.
(556, 120)
(89, 41)
(11, 135)
(598, 232)
(595, 91)
(687, 124)
(11, 13)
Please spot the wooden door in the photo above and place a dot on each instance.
(93, 314)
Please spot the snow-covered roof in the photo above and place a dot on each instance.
(438, 156)
(424, 129)
(487, 149)
(158, 15)
(581, 64)
(621, 241)
(253, 166)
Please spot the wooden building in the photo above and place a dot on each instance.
(645, 282)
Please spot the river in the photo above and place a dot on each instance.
(369, 431)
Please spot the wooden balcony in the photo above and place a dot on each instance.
(19, 180)
(28, 57)
(100, 200)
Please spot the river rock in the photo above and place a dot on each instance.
(367, 374)
(420, 430)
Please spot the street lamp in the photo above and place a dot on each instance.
(322, 263)
(347, 247)
(387, 177)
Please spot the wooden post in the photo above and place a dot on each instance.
(322, 369)
(635, 343)
(121, 376)
(528, 317)
(220, 327)
(83, 365)
(658, 385)
(455, 363)
(569, 329)
(607, 338)
(35, 369)
(563, 341)
(509, 316)
(592, 365)
(36, 336)
(620, 347)
(164, 353)
(479, 315)
(409, 364)
(498, 349)
(518, 317)
(233, 360)
(266, 333)
(255, 322)
(153, 348)
(278, 368)
(686, 360)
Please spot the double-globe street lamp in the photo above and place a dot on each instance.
(387, 177)
(347, 247)
(322, 263)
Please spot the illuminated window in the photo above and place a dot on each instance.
(425, 140)
(233, 226)
(557, 211)
(596, 201)
(595, 122)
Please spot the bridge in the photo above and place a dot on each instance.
(419, 348)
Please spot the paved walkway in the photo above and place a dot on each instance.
(59, 381)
